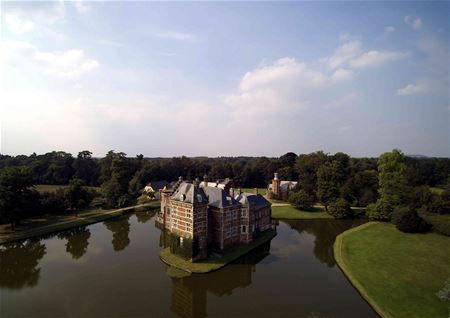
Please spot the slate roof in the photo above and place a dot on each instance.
(219, 198)
(189, 193)
(257, 201)
(285, 184)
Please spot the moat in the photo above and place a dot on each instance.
(112, 269)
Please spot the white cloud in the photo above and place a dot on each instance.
(376, 58)
(81, 6)
(342, 74)
(344, 53)
(18, 25)
(180, 36)
(67, 64)
(414, 22)
(389, 29)
(412, 89)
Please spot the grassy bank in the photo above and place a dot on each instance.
(45, 225)
(291, 213)
(397, 273)
(212, 264)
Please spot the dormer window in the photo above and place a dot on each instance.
(183, 197)
(199, 198)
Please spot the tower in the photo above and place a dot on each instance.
(276, 186)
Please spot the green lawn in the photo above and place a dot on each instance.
(437, 190)
(440, 222)
(212, 264)
(261, 191)
(398, 273)
(41, 188)
(289, 212)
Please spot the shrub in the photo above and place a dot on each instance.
(301, 200)
(340, 209)
(407, 220)
(380, 211)
(186, 248)
(439, 222)
(52, 202)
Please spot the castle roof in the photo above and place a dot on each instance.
(189, 193)
(219, 198)
(256, 201)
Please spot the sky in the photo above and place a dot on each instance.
(224, 78)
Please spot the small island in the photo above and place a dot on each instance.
(209, 225)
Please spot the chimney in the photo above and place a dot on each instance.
(232, 192)
(240, 190)
(256, 190)
(180, 178)
(196, 183)
(205, 180)
(275, 176)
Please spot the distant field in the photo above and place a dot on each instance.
(42, 188)
(261, 191)
(437, 190)
(289, 212)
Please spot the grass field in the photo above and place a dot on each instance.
(291, 213)
(41, 188)
(440, 222)
(261, 191)
(398, 273)
(212, 264)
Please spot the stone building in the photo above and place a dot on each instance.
(279, 189)
(218, 219)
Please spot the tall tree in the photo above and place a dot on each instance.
(328, 183)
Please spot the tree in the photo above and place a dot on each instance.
(86, 168)
(53, 202)
(77, 196)
(407, 220)
(392, 177)
(380, 211)
(306, 167)
(301, 200)
(111, 191)
(328, 183)
(340, 209)
(17, 199)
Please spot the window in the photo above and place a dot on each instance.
(243, 229)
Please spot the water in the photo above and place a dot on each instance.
(112, 269)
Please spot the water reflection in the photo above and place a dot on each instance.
(324, 232)
(19, 264)
(77, 241)
(189, 294)
(120, 229)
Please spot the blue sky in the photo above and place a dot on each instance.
(254, 78)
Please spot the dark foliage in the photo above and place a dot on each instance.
(407, 220)
(301, 200)
(340, 209)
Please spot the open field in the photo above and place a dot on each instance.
(289, 212)
(212, 264)
(41, 188)
(440, 222)
(261, 191)
(399, 274)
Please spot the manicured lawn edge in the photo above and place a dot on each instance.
(337, 248)
(288, 212)
(61, 226)
(213, 264)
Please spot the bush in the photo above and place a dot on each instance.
(340, 209)
(52, 202)
(187, 248)
(301, 200)
(407, 220)
(439, 222)
(380, 211)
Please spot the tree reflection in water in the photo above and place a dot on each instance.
(144, 216)
(18, 264)
(120, 229)
(189, 293)
(325, 232)
(77, 241)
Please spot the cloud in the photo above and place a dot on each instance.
(414, 22)
(389, 29)
(179, 36)
(18, 25)
(342, 75)
(412, 89)
(376, 58)
(344, 53)
(81, 6)
(68, 64)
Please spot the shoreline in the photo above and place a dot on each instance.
(65, 225)
(212, 264)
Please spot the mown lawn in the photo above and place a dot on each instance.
(261, 191)
(290, 212)
(212, 264)
(398, 273)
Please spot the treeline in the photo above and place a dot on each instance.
(322, 177)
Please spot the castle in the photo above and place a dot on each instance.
(279, 189)
(213, 215)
